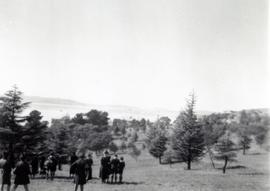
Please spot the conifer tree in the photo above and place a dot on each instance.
(11, 120)
(158, 146)
(188, 138)
(34, 132)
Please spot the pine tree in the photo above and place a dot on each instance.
(158, 146)
(11, 121)
(34, 132)
(188, 138)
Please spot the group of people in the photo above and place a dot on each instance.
(111, 170)
(22, 172)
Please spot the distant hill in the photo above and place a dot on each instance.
(57, 107)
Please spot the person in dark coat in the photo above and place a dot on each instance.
(114, 168)
(53, 166)
(73, 158)
(79, 167)
(121, 167)
(42, 165)
(105, 167)
(22, 172)
(89, 163)
(6, 172)
(34, 165)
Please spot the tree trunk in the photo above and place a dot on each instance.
(189, 164)
(244, 149)
(225, 164)
(210, 156)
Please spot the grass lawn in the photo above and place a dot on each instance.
(251, 172)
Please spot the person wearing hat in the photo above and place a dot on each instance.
(79, 167)
(22, 172)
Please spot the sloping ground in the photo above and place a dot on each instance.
(147, 175)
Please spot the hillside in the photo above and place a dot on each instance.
(57, 107)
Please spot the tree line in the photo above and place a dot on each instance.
(186, 139)
(220, 135)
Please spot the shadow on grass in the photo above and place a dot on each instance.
(252, 173)
(56, 177)
(133, 183)
(233, 167)
(254, 153)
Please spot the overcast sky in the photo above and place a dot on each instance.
(146, 53)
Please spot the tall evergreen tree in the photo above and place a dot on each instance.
(34, 132)
(188, 138)
(11, 120)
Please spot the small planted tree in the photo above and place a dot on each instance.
(244, 142)
(168, 156)
(134, 152)
(225, 150)
(158, 146)
(188, 139)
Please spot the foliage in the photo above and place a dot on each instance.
(35, 133)
(79, 119)
(11, 121)
(134, 152)
(113, 147)
(123, 146)
(188, 138)
(163, 123)
(119, 126)
(96, 117)
(225, 150)
(134, 137)
(158, 146)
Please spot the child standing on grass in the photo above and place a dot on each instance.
(6, 173)
(22, 172)
(121, 167)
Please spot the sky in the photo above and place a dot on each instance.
(144, 53)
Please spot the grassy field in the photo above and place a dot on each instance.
(251, 172)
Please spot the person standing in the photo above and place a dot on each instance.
(114, 168)
(89, 163)
(53, 166)
(42, 166)
(121, 167)
(22, 172)
(105, 167)
(79, 167)
(6, 172)
(73, 158)
(34, 165)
